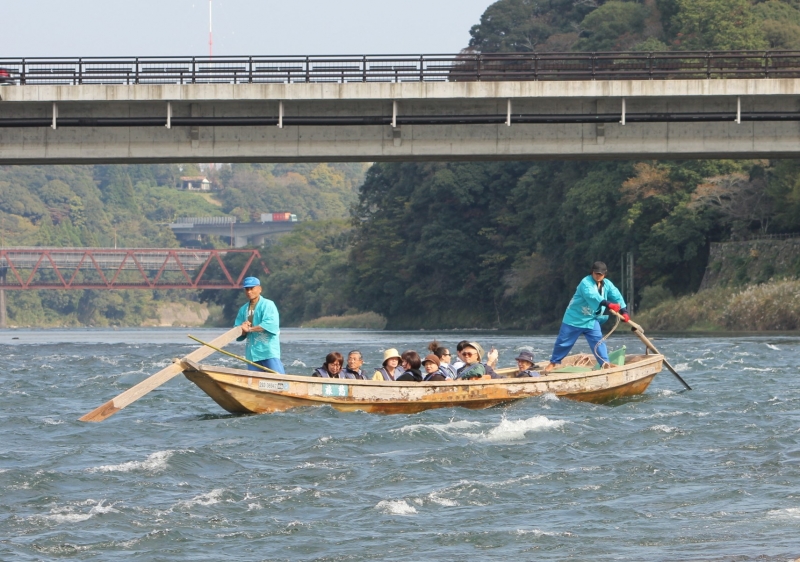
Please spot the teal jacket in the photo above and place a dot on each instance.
(266, 344)
(584, 308)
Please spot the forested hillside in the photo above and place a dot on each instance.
(504, 244)
(130, 206)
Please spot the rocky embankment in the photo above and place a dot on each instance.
(748, 286)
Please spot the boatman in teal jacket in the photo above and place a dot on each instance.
(260, 327)
(585, 313)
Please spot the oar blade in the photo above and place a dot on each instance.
(132, 394)
(135, 392)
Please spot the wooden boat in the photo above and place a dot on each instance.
(242, 392)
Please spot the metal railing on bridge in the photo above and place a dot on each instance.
(205, 220)
(463, 67)
(129, 268)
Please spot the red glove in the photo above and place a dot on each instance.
(626, 317)
(613, 306)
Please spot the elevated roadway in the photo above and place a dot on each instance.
(241, 234)
(460, 107)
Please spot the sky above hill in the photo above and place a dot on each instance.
(47, 28)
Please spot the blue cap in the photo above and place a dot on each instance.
(251, 282)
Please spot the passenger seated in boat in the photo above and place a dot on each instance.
(471, 354)
(332, 368)
(525, 365)
(390, 370)
(354, 362)
(411, 363)
(433, 371)
(487, 366)
(444, 356)
(459, 362)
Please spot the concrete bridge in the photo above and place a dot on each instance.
(514, 107)
(240, 233)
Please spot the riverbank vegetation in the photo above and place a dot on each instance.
(774, 305)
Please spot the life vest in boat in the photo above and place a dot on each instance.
(322, 372)
(474, 371)
(385, 374)
(435, 376)
(527, 373)
(355, 374)
(448, 371)
(412, 375)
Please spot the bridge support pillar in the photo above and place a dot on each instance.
(3, 323)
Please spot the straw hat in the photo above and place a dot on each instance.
(389, 354)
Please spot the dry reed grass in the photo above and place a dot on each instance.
(774, 305)
(365, 320)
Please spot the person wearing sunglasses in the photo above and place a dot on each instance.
(445, 357)
(471, 355)
(586, 311)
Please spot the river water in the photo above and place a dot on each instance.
(710, 474)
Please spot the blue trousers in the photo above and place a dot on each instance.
(272, 363)
(568, 335)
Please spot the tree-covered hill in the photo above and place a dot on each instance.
(130, 206)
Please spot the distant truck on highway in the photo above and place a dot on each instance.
(278, 217)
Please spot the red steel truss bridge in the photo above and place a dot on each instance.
(128, 268)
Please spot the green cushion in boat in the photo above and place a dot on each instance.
(573, 369)
(615, 357)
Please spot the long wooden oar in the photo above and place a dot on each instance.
(637, 329)
(239, 357)
(135, 392)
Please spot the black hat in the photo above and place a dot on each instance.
(525, 356)
(599, 267)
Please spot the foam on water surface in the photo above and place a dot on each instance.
(395, 507)
(153, 463)
(515, 430)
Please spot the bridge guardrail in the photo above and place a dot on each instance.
(462, 67)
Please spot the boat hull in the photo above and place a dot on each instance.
(252, 392)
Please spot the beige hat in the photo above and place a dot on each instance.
(389, 354)
(477, 347)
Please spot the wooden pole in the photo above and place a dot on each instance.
(239, 357)
(637, 329)
(135, 392)
(3, 323)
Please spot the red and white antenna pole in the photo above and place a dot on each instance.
(210, 35)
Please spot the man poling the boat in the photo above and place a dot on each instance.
(260, 325)
(586, 311)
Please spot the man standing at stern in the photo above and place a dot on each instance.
(585, 313)
(260, 327)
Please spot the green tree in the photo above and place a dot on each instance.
(525, 25)
(717, 25)
(614, 26)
